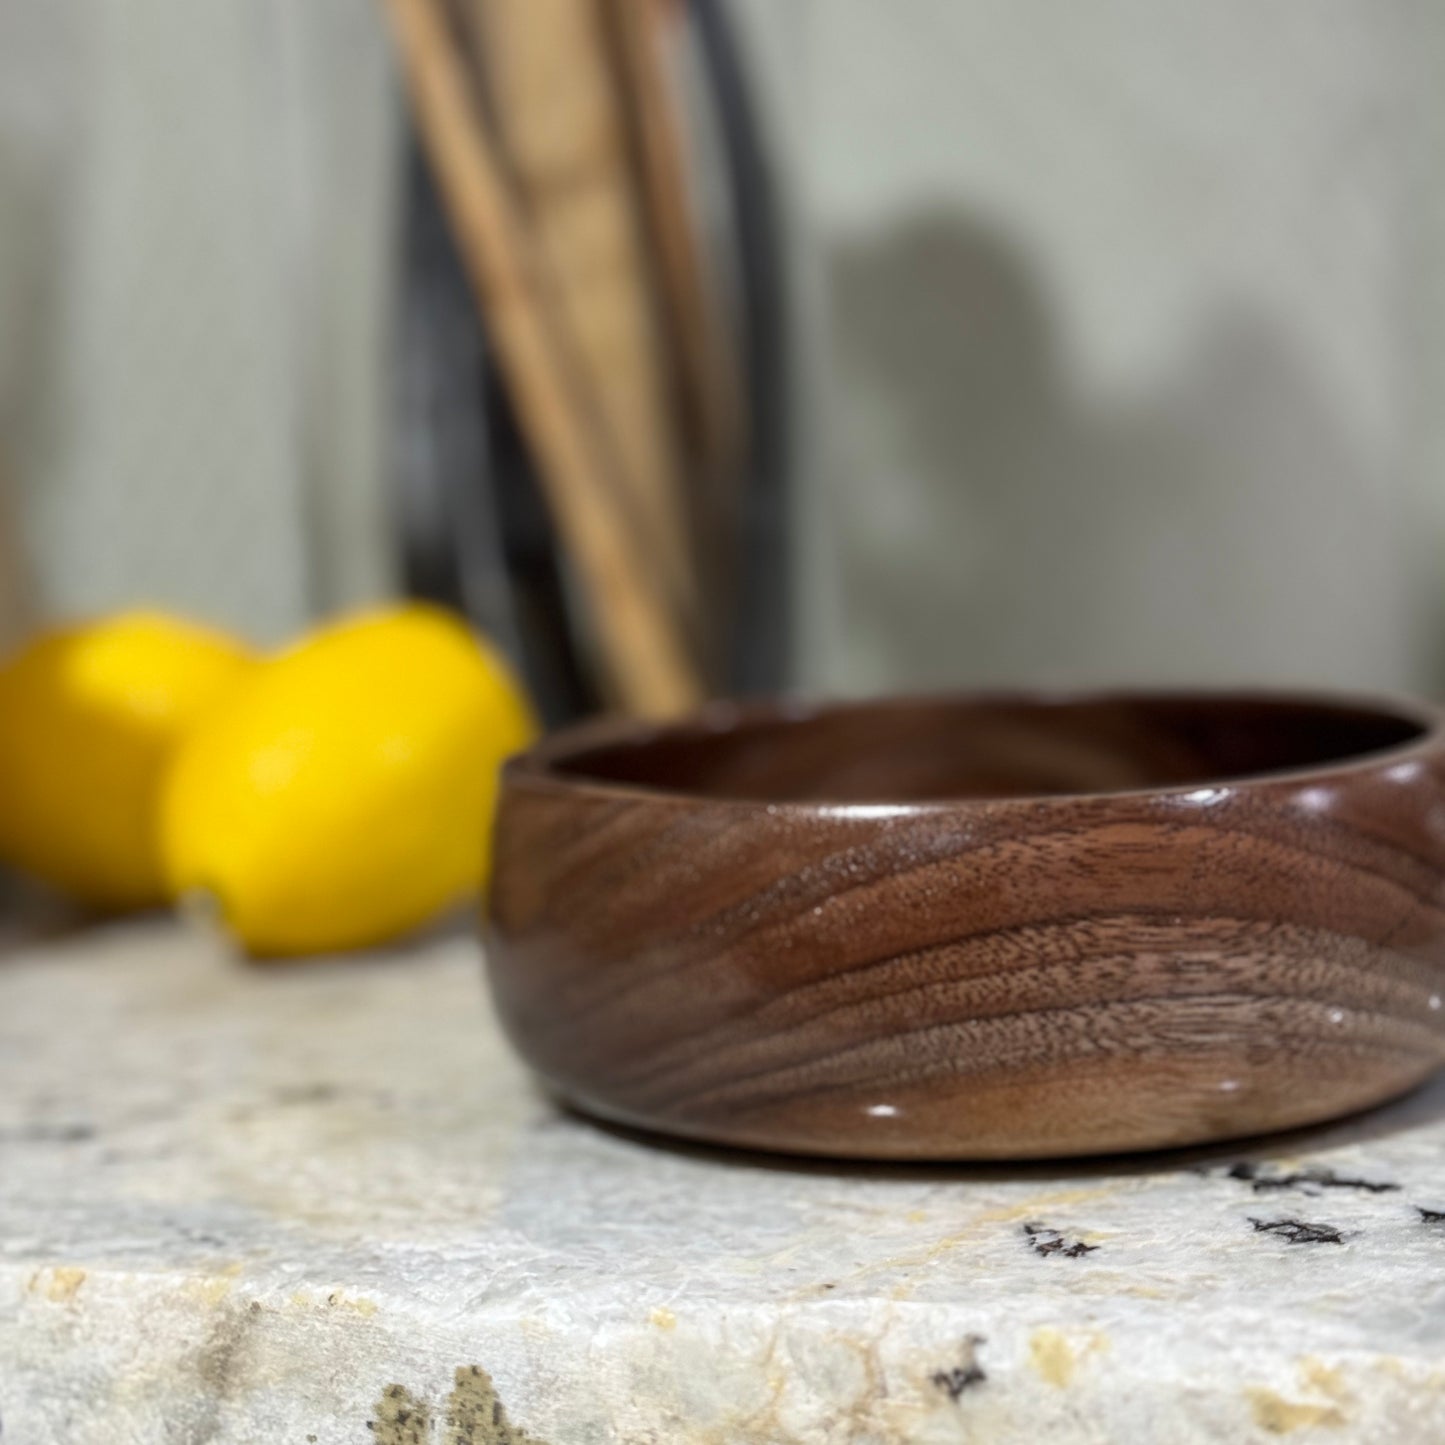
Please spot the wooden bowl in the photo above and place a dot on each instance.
(975, 928)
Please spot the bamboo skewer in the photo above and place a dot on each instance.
(709, 388)
(706, 383)
(640, 637)
(554, 102)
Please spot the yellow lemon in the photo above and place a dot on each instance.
(345, 794)
(90, 715)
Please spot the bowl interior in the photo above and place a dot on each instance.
(913, 751)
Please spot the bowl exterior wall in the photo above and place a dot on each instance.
(992, 979)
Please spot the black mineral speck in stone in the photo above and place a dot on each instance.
(1310, 1181)
(964, 1375)
(1045, 1241)
(1298, 1231)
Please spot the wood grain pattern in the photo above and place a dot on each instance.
(708, 387)
(557, 109)
(979, 929)
(638, 633)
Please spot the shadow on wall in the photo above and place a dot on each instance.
(1002, 528)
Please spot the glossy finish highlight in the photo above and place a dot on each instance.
(963, 928)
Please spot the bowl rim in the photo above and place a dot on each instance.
(539, 767)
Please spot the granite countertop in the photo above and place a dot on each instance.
(322, 1204)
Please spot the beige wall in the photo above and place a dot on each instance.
(1124, 324)
(195, 219)
(1131, 320)
(14, 581)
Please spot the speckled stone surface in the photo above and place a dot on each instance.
(323, 1204)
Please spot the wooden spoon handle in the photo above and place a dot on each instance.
(640, 639)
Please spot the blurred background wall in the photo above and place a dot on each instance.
(1123, 325)
(1133, 325)
(196, 214)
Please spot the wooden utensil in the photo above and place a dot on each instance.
(979, 928)
(638, 626)
(553, 97)
(706, 370)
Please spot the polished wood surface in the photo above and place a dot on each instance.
(991, 928)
